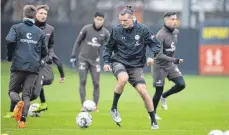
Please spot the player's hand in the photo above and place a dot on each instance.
(107, 68)
(73, 61)
(178, 61)
(149, 61)
(49, 60)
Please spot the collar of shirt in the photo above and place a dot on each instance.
(169, 29)
(29, 19)
(40, 24)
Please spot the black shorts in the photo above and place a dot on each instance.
(136, 75)
(159, 74)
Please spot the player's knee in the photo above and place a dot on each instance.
(181, 85)
(141, 88)
(83, 82)
(122, 79)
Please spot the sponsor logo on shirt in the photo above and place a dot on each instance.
(172, 48)
(94, 42)
(29, 39)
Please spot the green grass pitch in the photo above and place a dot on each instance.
(200, 108)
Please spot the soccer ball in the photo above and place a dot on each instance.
(89, 106)
(83, 120)
(32, 107)
(226, 132)
(216, 132)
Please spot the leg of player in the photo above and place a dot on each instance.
(122, 78)
(45, 78)
(26, 95)
(43, 106)
(16, 80)
(136, 79)
(83, 71)
(15, 86)
(57, 61)
(141, 88)
(95, 75)
(156, 99)
(179, 86)
(158, 78)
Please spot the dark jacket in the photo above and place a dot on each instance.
(128, 46)
(27, 45)
(49, 34)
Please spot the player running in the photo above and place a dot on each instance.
(165, 64)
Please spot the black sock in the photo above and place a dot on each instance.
(42, 96)
(115, 100)
(23, 118)
(12, 106)
(156, 97)
(152, 116)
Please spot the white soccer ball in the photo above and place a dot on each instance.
(226, 132)
(83, 120)
(89, 106)
(216, 132)
(32, 107)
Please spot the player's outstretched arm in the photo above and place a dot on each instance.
(78, 41)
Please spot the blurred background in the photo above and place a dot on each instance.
(203, 41)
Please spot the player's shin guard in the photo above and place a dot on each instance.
(115, 100)
(157, 96)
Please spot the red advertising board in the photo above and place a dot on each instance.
(214, 59)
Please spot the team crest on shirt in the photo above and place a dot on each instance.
(137, 37)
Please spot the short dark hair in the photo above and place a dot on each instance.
(100, 14)
(127, 10)
(29, 11)
(168, 14)
(45, 7)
